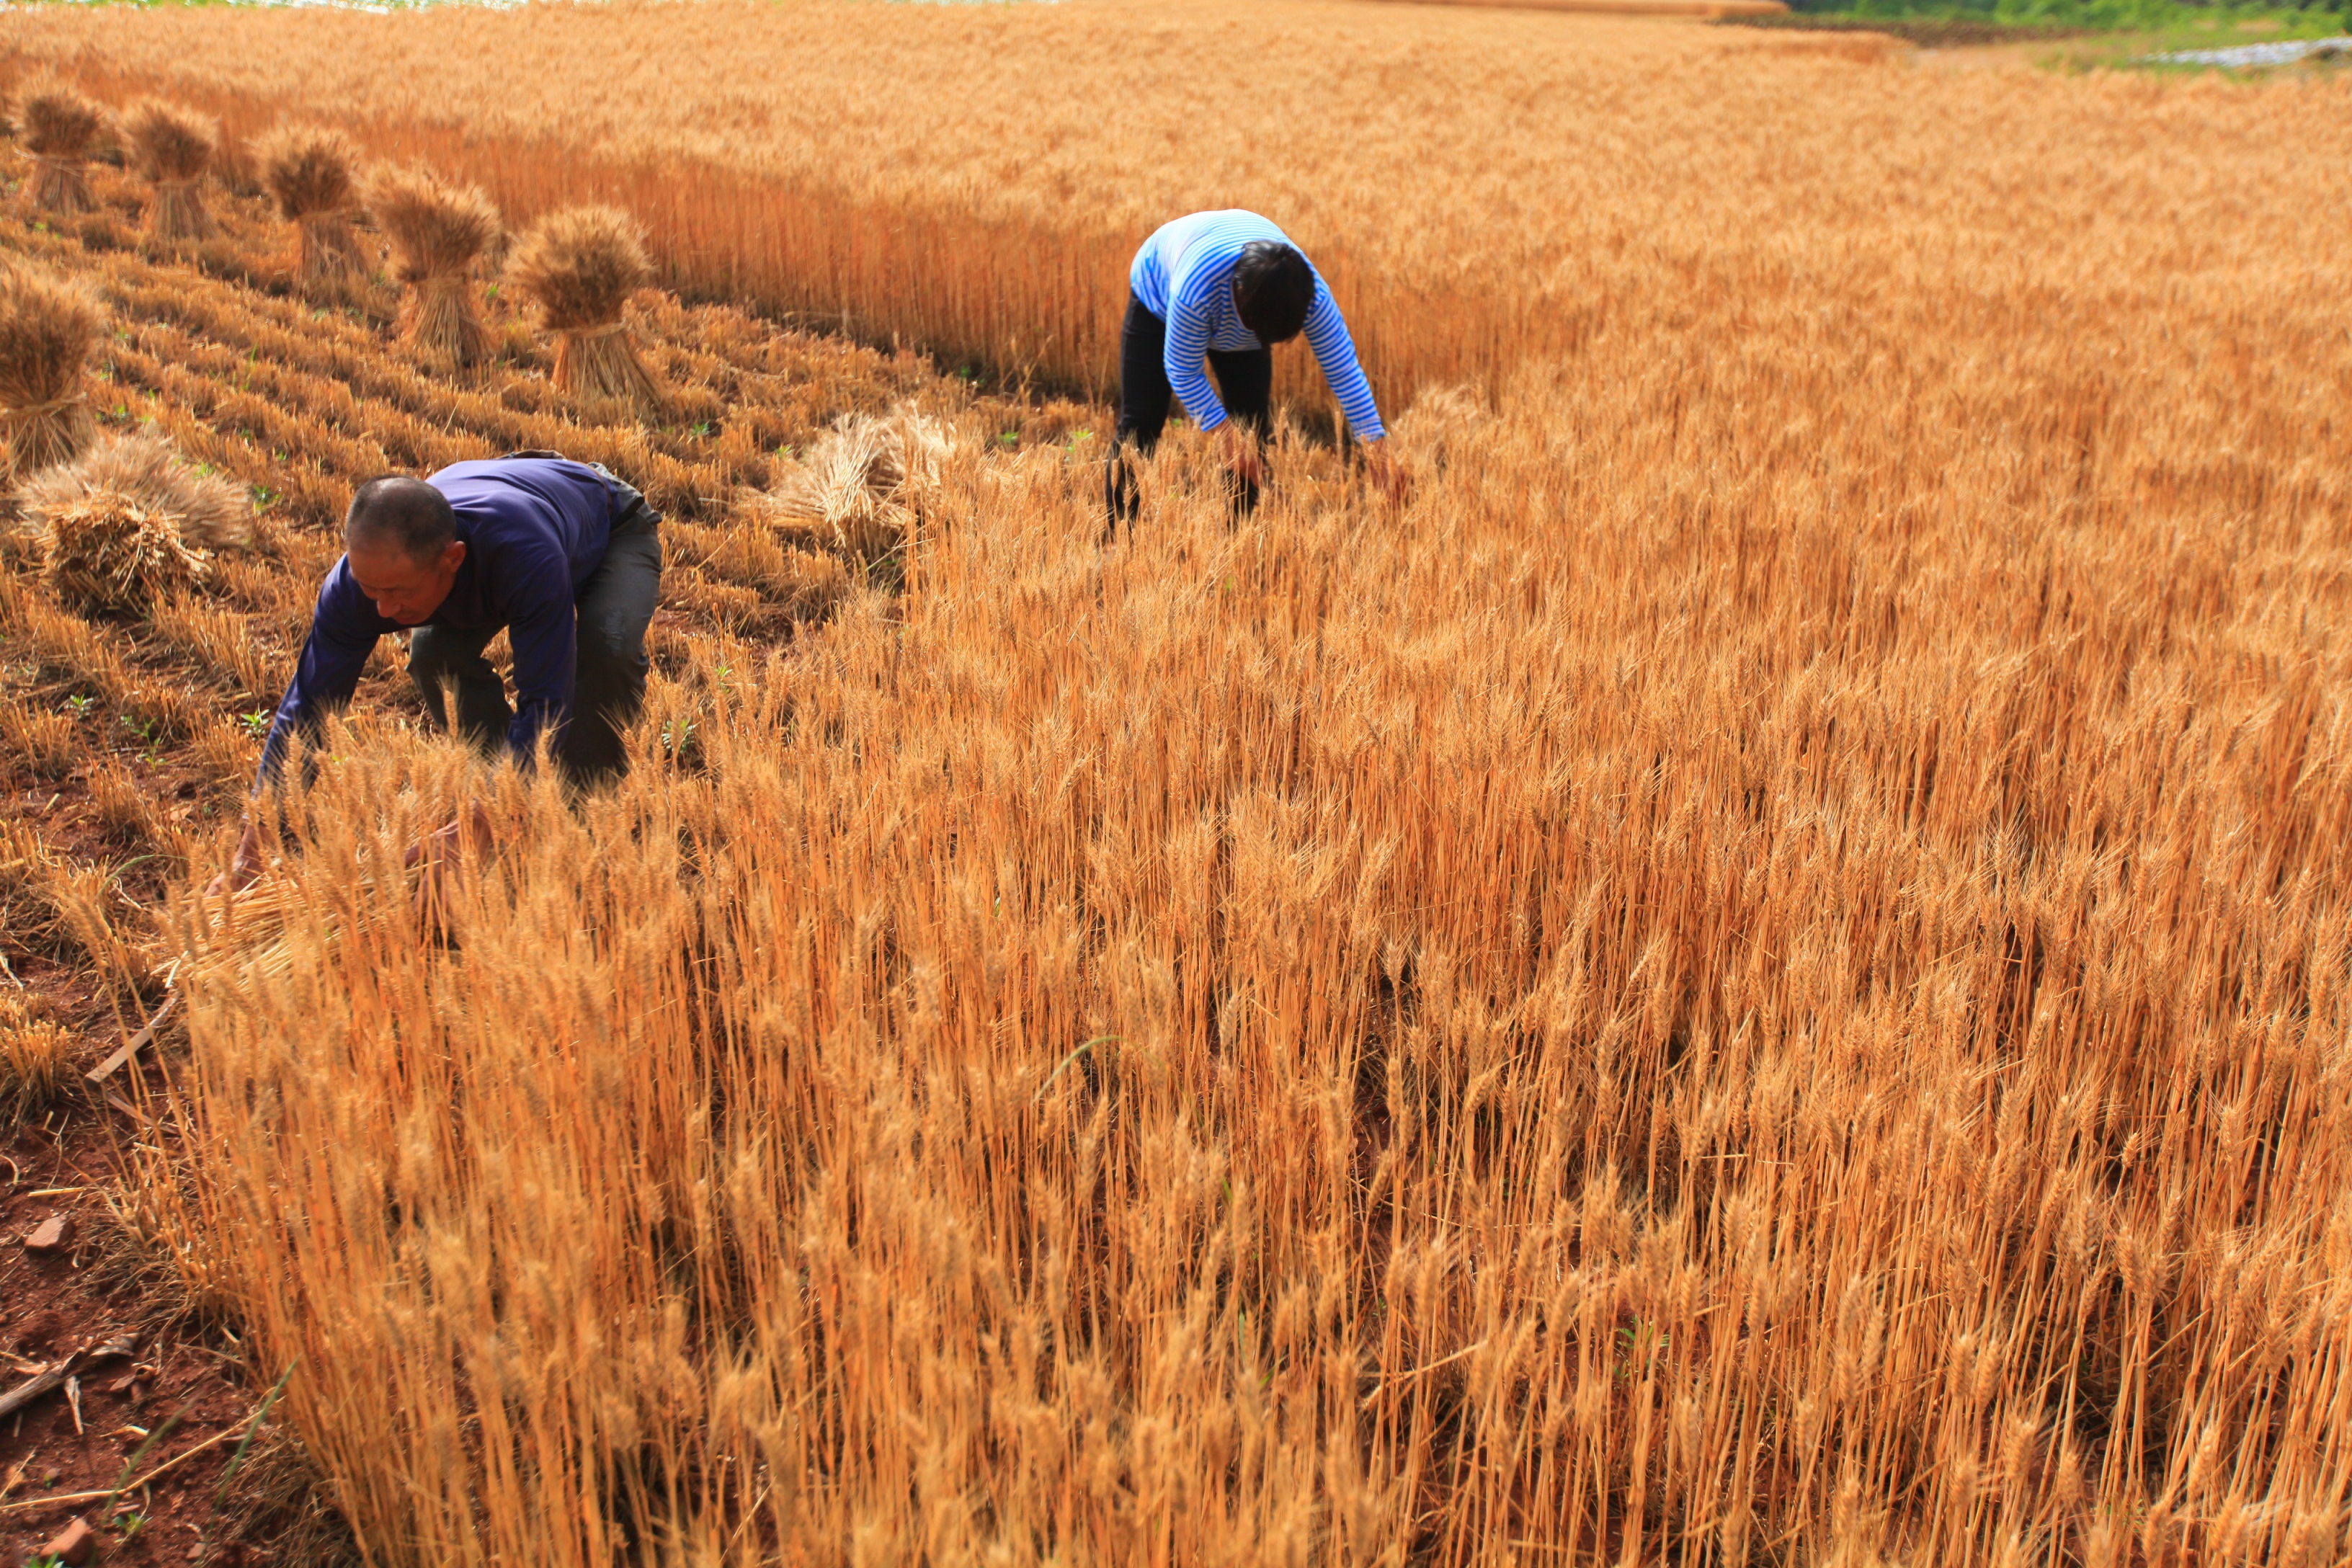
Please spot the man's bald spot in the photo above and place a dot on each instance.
(400, 513)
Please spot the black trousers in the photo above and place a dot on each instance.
(611, 613)
(1244, 382)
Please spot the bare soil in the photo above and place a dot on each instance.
(178, 1391)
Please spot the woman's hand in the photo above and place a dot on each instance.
(1242, 458)
(1387, 471)
(441, 852)
(244, 869)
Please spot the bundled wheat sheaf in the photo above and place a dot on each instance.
(861, 486)
(309, 171)
(580, 266)
(129, 522)
(61, 127)
(437, 229)
(48, 326)
(174, 147)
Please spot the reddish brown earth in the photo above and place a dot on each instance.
(77, 1300)
(62, 1165)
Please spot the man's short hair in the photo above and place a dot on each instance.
(405, 513)
(1273, 290)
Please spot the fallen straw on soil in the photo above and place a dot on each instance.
(437, 229)
(47, 328)
(174, 149)
(580, 266)
(309, 170)
(61, 128)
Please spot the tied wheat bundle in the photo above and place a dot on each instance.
(47, 328)
(128, 523)
(61, 127)
(580, 266)
(863, 483)
(308, 168)
(174, 147)
(437, 228)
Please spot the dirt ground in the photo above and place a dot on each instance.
(176, 1404)
(174, 1407)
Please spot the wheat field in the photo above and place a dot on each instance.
(1759, 975)
(1484, 189)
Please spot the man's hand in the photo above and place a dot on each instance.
(1387, 471)
(440, 854)
(244, 869)
(1242, 456)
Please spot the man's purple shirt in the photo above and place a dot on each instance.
(534, 528)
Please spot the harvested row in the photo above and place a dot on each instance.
(739, 391)
(299, 400)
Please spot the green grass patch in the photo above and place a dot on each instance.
(2086, 32)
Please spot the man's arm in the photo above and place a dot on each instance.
(1334, 351)
(1185, 352)
(542, 628)
(344, 632)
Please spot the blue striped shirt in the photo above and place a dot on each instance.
(1184, 276)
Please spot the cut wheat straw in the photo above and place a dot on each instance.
(309, 170)
(35, 1057)
(861, 486)
(265, 929)
(47, 328)
(130, 523)
(61, 128)
(580, 266)
(437, 229)
(174, 149)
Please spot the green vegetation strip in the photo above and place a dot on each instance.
(1935, 24)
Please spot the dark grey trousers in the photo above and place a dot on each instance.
(613, 608)
(1244, 383)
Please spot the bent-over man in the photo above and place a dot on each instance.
(561, 555)
(1220, 289)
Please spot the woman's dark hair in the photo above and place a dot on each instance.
(1273, 289)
